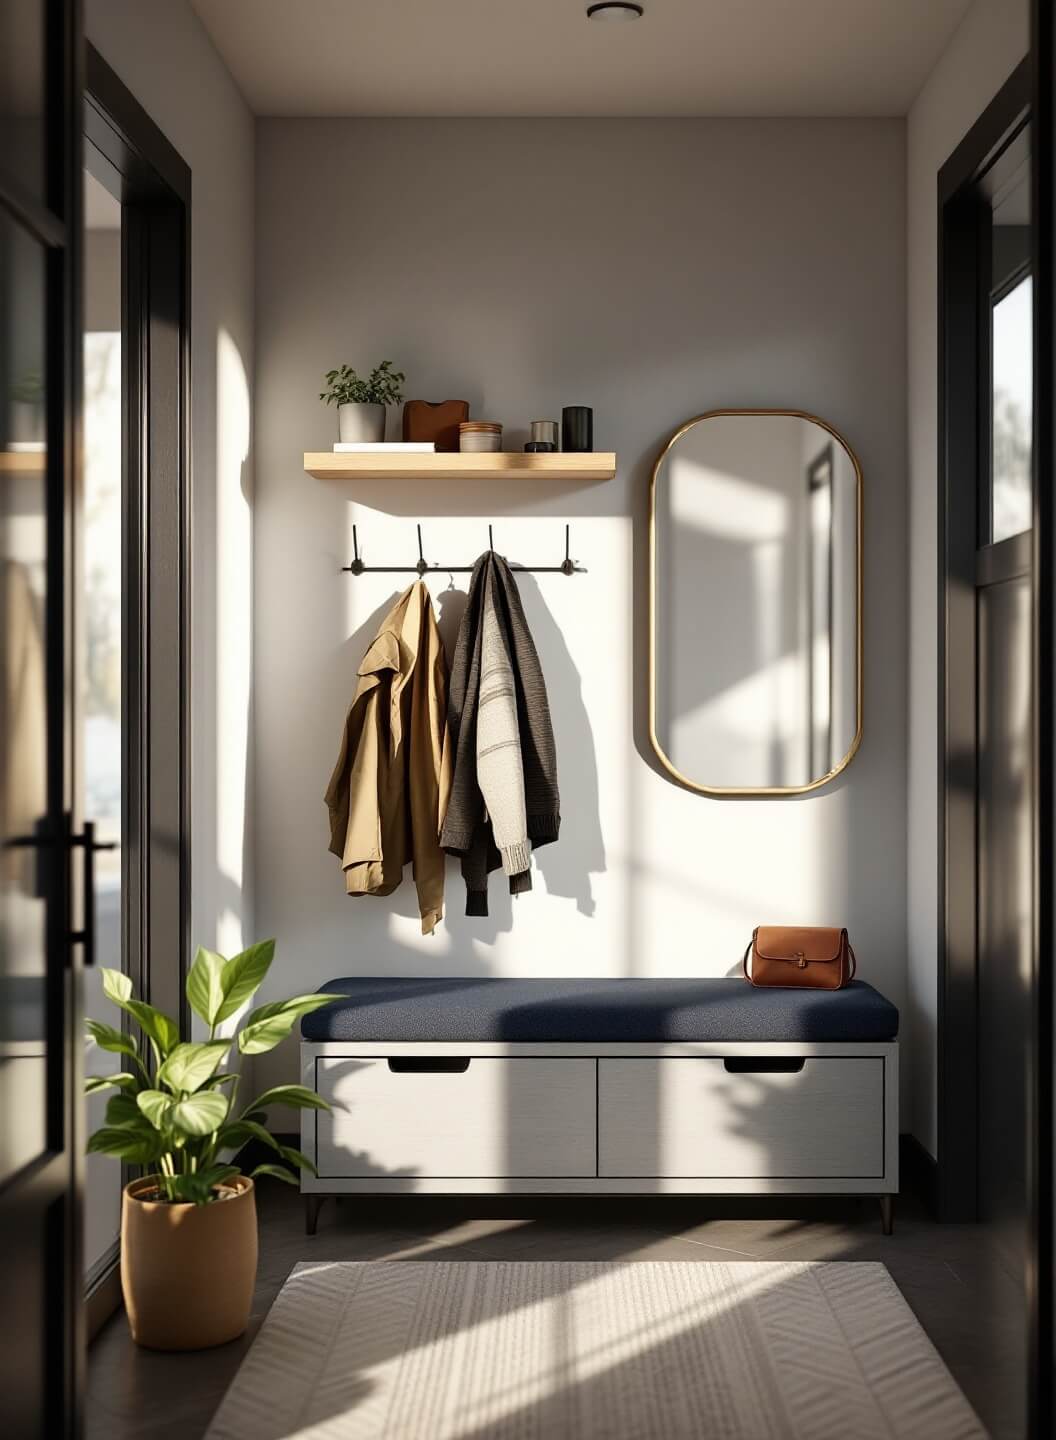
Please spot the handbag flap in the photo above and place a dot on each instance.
(795, 942)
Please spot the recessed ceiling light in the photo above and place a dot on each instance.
(615, 10)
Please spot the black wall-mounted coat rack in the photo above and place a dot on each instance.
(568, 566)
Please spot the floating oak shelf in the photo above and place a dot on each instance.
(22, 462)
(516, 465)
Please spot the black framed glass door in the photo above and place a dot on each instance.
(40, 958)
(131, 646)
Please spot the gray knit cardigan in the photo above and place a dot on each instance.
(467, 830)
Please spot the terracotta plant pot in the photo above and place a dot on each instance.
(187, 1271)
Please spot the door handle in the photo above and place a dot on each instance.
(764, 1064)
(430, 1065)
(87, 842)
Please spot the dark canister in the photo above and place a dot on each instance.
(577, 428)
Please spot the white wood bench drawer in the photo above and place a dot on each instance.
(695, 1117)
(487, 1118)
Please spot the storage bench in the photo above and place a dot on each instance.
(705, 1087)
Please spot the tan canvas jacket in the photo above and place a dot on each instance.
(388, 793)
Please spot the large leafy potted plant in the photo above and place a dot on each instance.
(189, 1225)
(361, 403)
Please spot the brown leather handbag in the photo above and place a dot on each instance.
(814, 957)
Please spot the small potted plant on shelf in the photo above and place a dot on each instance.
(27, 397)
(189, 1225)
(361, 403)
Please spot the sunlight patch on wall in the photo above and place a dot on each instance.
(234, 579)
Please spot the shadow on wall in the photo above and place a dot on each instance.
(567, 865)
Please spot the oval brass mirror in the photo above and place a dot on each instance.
(755, 601)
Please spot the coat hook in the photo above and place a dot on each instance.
(421, 567)
(357, 567)
(568, 567)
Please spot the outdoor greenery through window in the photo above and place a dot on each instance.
(1013, 384)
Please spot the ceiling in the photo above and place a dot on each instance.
(543, 57)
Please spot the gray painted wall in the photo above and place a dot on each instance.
(102, 280)
(652, 269)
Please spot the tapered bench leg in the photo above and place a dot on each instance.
(312, 1205)
(887, 1214)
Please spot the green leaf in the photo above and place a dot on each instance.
(164, 1032)
(199, 1114)
(298, 1097)
(121, 1109)
(296, 1005)
(269, 1024)
(235, 1135)
(279, 1171)
(94, 1083)
(217, 1174)
(247, 1129)
(242, 976)
(204, 989)
(296, 1159)
(191, 1064)
(264, 1035)
(187, 1189)
(107, 1038)
(218, 1080)
(155, 1105)
(116, 986)
(127, 1144)
(196, 1187)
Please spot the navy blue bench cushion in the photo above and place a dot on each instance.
(596, 1010)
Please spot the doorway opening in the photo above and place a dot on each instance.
(988, 800)
(131, 642)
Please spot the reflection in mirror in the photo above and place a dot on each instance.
(23, 694)
(755, 643)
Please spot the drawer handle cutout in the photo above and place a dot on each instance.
(766, 1065)
(430, 1065)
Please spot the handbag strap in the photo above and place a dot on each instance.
(744, 962)
(854, 962)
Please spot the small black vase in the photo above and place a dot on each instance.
(577, 428)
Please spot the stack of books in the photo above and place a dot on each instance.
(399, 447)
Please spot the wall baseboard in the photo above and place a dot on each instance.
(920, 1171)
(103, 1300)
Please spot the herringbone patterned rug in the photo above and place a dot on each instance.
(405, 1350)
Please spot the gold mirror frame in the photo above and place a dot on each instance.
(737, 792)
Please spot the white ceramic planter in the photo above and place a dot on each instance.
(361, 424)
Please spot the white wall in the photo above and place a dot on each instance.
(652, 269)
(990, 42)
(161, 52)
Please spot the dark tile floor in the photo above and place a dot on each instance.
(953, 1277)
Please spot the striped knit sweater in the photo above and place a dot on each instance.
(475, 828)
(499, 770)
